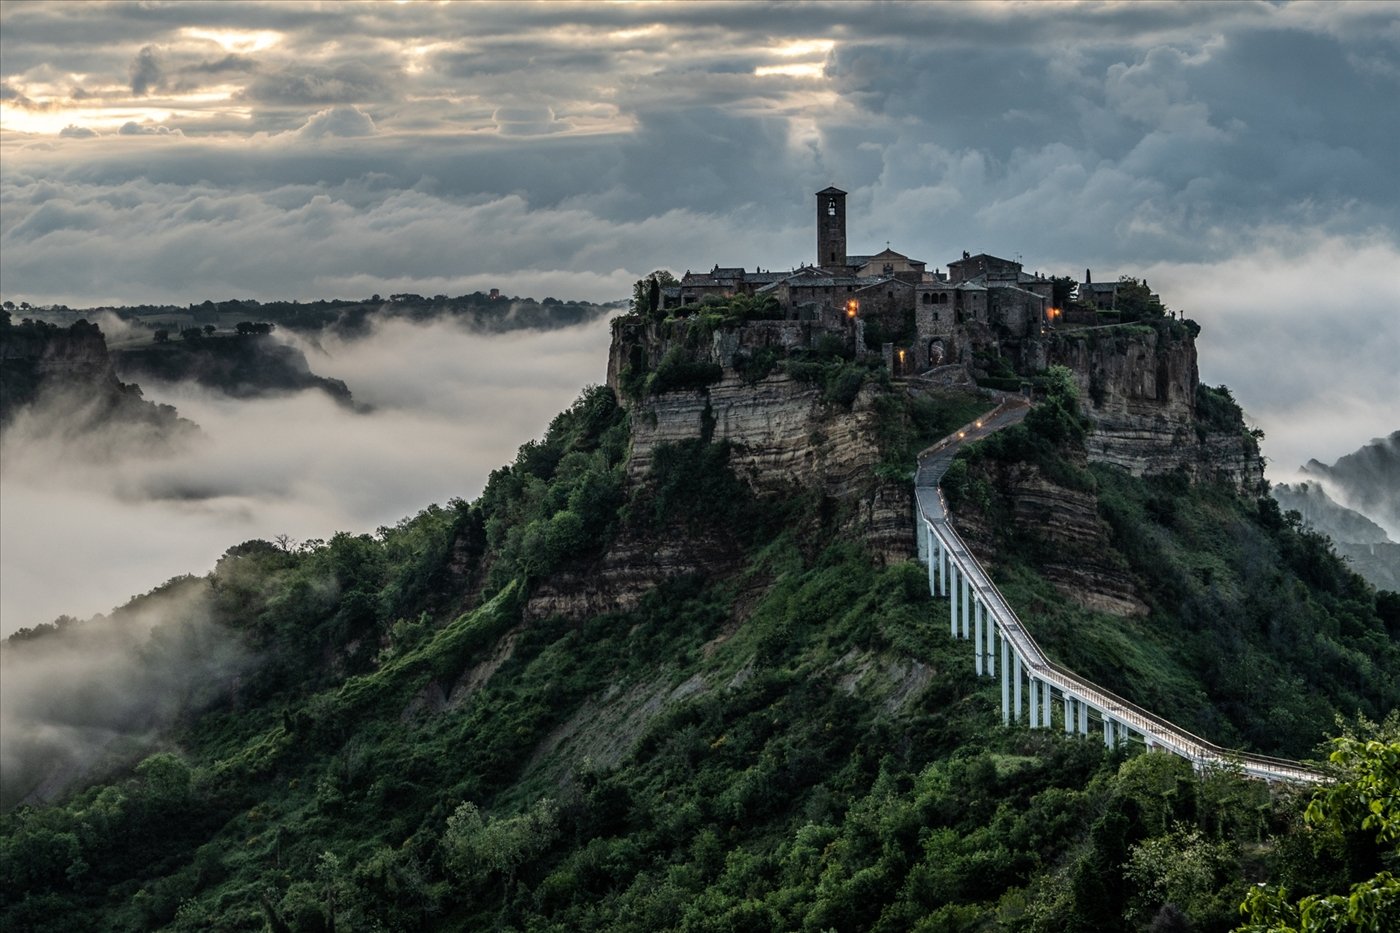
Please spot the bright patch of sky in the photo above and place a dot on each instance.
(184, 151)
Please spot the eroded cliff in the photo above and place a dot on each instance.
(1140, 388)
(242, 365)
(788, 432)
(63, 377)
(783, 431)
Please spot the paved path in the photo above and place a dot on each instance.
(956, 572)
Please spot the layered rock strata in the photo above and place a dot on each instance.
(1078, 556)
(1139, 391)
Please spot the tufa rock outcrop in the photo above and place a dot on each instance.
(1140, 388)
(241, 365)
(62, 377)
(782, 432)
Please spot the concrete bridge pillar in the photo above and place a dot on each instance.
(1006, 685)
(1016, 688)
(1083, 718)
(944, 563)
(1033, 705)
(929, 546)
(991, 643)
(977, 636)
(922, 535)
(1110, 737)
(940, 570)
(1045, 699)
(953, 599)
(966, 593)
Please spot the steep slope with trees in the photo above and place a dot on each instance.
(774, 733)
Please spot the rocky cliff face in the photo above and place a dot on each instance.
(70, 370)
(35, 356)
(781, 431)
(1078, 554)
(783, 438)
(1139, 389)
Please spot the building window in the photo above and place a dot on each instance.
(831, 207)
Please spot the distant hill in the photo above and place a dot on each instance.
(1367, 481)
(1356, 503)
(1364, 544)
(240, 365)
(353, 317)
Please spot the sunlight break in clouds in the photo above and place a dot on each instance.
(235, 40)
(80, 537)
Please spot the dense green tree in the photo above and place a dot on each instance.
(1361, 810)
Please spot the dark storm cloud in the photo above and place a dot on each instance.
(146, 72)
(518, 57)
(1180, 139)
(232, 62)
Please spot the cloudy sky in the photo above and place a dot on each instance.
(1242, 155)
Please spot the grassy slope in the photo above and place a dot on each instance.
(818, 754)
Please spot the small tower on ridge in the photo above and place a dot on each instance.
(831, 229)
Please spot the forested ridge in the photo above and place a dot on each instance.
(794, 745)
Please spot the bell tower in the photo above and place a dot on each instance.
(831, 229)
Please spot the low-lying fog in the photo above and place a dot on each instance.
(82, 534)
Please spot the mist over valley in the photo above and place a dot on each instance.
(95, 516)
(1025, 558)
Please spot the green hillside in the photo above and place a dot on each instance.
(795, 744)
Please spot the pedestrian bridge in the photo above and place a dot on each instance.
(1035, 690)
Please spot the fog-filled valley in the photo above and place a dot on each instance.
(94, 517)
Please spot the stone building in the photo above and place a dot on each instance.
(936, 318)
(1103, 295)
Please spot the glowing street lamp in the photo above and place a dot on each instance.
(852, 308)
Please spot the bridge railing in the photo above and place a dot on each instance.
(1161, 732)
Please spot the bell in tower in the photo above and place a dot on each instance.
(831, 229)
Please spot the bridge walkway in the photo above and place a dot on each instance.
(977, 610)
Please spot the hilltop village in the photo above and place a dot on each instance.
(891, 304)
(983, 322)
